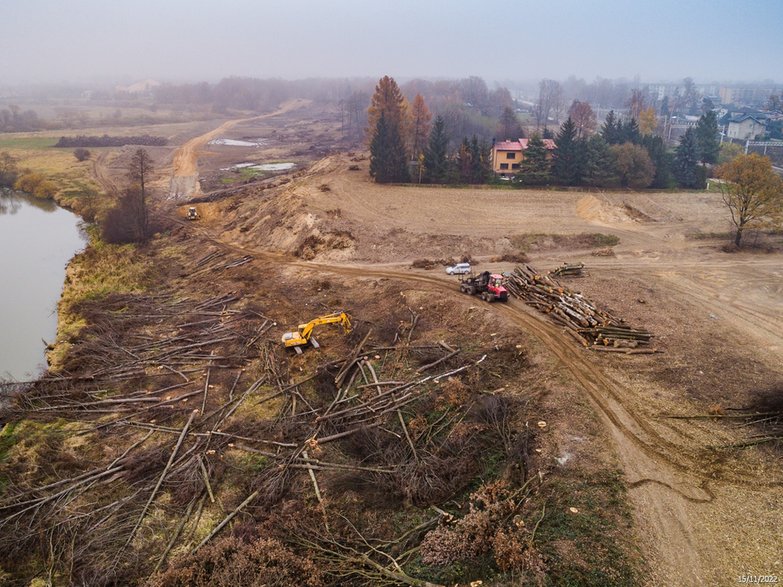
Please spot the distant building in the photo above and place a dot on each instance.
(745, 126)
(142, 87)
(745, 95)
(507, 155)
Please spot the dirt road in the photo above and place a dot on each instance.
(184, 180)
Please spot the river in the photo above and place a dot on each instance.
(37, 239)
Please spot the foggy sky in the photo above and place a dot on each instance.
(193, 40)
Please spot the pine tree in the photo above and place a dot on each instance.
(435, 161)
(568, 156)
(599, 163)
(609, 130)
(534, 168)
(388, 162)
(628, 132)
(478, 161)
(686, 162)
(661, 159)
(707, 137)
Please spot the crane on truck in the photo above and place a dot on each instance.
(488, 285)
(303, 335)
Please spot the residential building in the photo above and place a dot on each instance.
(507, 155)
(744, 125)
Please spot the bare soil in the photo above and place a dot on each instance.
(717, 317)
(326, 236)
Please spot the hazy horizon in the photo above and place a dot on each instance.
(46, 41)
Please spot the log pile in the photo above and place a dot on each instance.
(590, 326)
(569, 270)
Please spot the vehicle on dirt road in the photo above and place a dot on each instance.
(458, 269)
(488, 285)
(192, 213)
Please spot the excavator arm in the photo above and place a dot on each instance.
(303, 334)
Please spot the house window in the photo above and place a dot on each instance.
(511, 155)
(504, 165)
(515, 166)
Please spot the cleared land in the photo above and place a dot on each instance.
(719, 318)
(294, 246)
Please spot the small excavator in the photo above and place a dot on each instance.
(304, 333)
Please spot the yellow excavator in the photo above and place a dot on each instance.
(304, 333)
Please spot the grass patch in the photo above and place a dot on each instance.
(585, 240)
(699, 235)
(101, 269)
(26, 142)
(594, 546)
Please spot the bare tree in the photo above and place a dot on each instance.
(139, 173)
(582, 115)
(550, 100)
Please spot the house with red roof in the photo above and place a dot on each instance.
(507, 155)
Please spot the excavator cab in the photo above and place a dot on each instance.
(303, 335)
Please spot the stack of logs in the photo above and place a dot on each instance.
(593, 328)
(569, 270)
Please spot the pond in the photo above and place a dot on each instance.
(37, 239)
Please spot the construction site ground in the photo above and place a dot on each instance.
(704, 516)
(325, 237)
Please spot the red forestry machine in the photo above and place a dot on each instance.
(488, 285)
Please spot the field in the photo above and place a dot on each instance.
(627, 469)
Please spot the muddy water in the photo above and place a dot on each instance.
(37, 238)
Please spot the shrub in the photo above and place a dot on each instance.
(230, 562)
(81, 154)
(36, 184)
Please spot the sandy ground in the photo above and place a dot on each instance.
(703, 517)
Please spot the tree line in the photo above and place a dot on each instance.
(111, 141)
(622, 154)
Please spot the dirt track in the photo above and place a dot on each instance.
(184, 177)
(685, 507)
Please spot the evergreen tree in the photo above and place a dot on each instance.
(436, 164)
(686, 162)
(388, 162)
(707, 137)
(610, 131)
(479, 161)
(628, 132)
(661, 160)
(508, 125)
(534, 168)
(568, 156)
(599, 168)
(548, 134)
